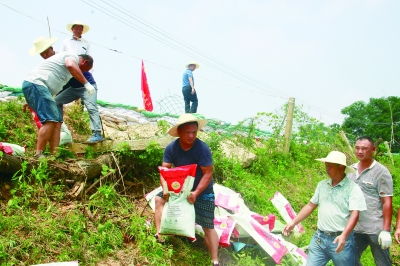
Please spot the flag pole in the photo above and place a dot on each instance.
(48, 24)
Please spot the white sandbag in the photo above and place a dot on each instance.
(226, 198)
(223, 225)
(150, 197)
(295, 254)
(107, 118)
(105, 112)
(131, 118)
(16, 149)
(286, 211)
(11, 98)
(178, 216)
(268, 241)
(143, 121)
(65, 135)
(4, 93)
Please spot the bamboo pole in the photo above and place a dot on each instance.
(289, 124)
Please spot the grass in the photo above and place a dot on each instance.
(40, 224)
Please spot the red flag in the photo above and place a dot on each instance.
(148, 104)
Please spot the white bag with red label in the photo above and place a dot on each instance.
(178, 217)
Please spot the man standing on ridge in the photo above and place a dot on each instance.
(45, 81)
(339, 201)
(75, 89)
(185, 150)
(188, 90)
(373, 227)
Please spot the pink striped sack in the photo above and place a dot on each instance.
(285, 210)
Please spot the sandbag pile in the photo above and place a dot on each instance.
(235, 221)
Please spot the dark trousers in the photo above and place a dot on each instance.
(189, 97)
(381, 256)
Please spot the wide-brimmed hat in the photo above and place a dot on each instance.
(40, 45)
(186, 118)
(193, 63)
(86, 28)
(339, 158)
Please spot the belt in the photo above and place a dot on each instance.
(330, 233)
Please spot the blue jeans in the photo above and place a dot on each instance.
(381, 256)
(189, 97)
(40, 100)
(321, 251)
(90, 102)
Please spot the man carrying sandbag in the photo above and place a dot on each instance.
(339, 201)
(186, 150)
(44, 82)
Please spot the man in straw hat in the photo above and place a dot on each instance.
(375, 181)
(340, 200)
(188, 90)
(45, 81)
(185, 150)
(43, 46)
(75, 90)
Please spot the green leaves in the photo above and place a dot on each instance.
(379, 118)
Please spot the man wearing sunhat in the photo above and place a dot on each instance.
(375, 181)
(185, 150)
(45, 81)
(47, 53)
(188, 90)
(75, 90)
(339, 201)
(43, 46)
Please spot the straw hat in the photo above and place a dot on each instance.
(193, 63)
(86, 28)
(183, 119)
(339, 158)
(41, 44)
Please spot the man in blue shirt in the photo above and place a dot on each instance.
(185, 150)
(188, 90)
(75, 90)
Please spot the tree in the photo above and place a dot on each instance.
(379, 118)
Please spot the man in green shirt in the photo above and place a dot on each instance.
(340, 200)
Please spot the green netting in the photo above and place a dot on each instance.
(155, 115)
(215, 124)
(15, 91)
(108, 104)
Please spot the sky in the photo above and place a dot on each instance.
(253, 55)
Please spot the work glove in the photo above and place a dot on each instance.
(385, 239)
(90, 89)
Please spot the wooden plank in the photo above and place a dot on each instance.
(110, 145)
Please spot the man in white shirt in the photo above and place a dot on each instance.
(75, 90)
(45, 81)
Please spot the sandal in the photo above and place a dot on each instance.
(159, 239)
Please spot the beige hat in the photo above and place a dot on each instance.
(41, 44)
(193, 63)
(186, 118)
(339, 158)
(86, 28)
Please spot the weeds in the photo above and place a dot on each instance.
(39, 225)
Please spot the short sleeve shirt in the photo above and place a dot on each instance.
(199, 154)
(52, 72)
(375, 182)
(185, 79)
(335, 203)
(80, 46)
